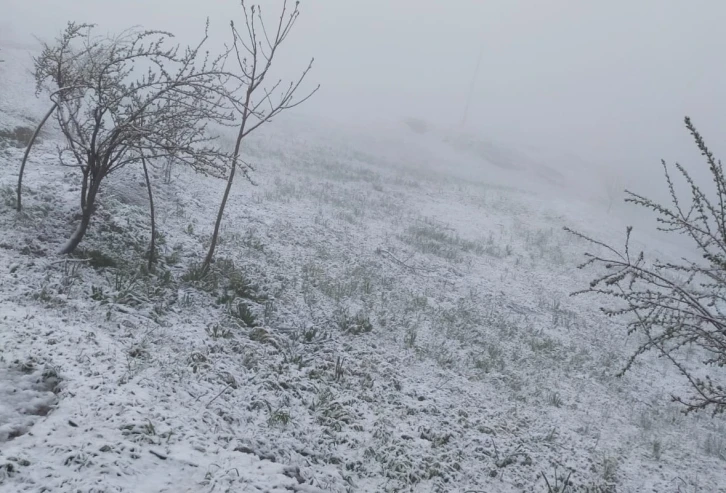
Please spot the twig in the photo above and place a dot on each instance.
(216, 396)
(402, 263)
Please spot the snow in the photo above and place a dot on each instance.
(25, 394)
(415, 331)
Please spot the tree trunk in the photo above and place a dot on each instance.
(220, 213)
(87, 212)
(27, 152)
(235, 157)
(78, 234)
(84, 187)
(152, 245)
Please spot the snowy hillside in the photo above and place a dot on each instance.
(380, 318)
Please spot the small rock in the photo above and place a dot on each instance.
(157, 454)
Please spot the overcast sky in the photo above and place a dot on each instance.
(610, 80)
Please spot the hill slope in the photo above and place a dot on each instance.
(374, 323)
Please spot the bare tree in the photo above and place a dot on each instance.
(676, 305)
(254, 53)
(59, 63)
(135, 97)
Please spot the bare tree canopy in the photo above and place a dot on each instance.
(131, 97)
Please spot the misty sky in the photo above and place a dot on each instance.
(610, 80)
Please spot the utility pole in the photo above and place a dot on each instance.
(473, 85)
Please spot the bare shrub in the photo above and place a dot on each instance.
(676, 305)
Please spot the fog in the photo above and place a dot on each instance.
(607, 81)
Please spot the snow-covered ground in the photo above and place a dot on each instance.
(386, 314)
